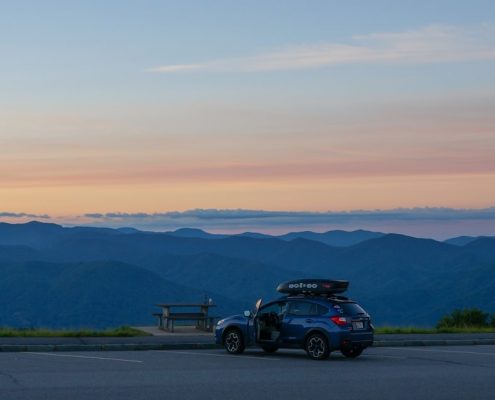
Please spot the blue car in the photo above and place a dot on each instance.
(311, 315)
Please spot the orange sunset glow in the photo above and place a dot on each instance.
(362, 117)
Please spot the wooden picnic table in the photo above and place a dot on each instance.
(168, 316)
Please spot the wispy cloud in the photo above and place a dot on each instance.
(6, 214)
(178, 68)
(430, 44)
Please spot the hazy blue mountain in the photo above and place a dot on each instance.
(194, 233)
(94, 246)
(336, 238)
(460, 240)
(211, 273)
(33, 234)
(401, 280)
(463, 240)
(96, 294)
(40, 235)
(128, 230)
(17, 254)
(256, 235)
(483, 247)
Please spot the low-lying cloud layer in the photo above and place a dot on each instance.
(291, 216)
(438, 223)
(6, 214)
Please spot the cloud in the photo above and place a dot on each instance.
(6, 214)
(427, 45)
(430, 222)
(178, 68)
(435, 222)
(429, 213)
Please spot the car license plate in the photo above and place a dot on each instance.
(358, 325)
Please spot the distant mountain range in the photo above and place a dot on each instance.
(463, 240)
(53, 276)
(333, 238)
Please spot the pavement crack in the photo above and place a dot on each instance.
(11, 377)
(457, 363)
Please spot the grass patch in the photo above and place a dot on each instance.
(466, 330)
(406, 329)
(411, 330)
(123, 331)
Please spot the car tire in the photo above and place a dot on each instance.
(269, 349)
(233, 341)
(316, 346)
(352, 352)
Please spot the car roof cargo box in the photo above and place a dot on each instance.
(316, 287)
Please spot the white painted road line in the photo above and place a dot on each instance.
(442, 351)
(239, 357)
(88, 357)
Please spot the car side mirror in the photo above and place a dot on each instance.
(247, 314)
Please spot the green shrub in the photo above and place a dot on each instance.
(465, 318)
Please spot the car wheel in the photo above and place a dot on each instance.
(352, 352)
(269, 349)
(316, 346)
(233, 341)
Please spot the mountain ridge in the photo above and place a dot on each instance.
(401, 280)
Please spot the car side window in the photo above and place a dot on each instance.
(277, 308)
(306, 308)
(300, 308)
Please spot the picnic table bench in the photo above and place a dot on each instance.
(167, 318)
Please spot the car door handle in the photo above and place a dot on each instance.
(309, 321)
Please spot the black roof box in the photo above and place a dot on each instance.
(313, 287)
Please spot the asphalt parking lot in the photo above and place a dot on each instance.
(466, 372)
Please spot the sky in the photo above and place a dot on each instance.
(146, 108)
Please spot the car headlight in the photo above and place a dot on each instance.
(220, 322)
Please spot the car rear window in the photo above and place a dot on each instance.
(350, 308)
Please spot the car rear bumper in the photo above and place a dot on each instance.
(361, 339)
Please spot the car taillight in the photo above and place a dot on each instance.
(340, 321)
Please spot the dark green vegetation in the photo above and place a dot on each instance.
(123, 331)
(412, 330)
(78, 277)
(467, 319)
